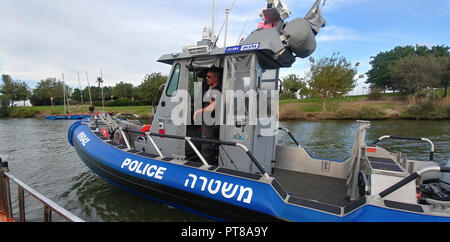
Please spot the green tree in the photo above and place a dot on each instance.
(149, 87)
(8, 89)
(23, 91)
(379, 75)
(4, 103)
(14, 90)
(292, 84)
(76, 95)
(445, 72)
(47, 89)
(96, 93)
(331, 77)
(413, 73)
(440, 51)
(123, 90)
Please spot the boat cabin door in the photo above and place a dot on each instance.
(250, 112)
(162, 120)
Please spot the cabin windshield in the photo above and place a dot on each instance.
(239, 80)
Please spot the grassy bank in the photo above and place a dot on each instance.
(388, 106)
(39, 111)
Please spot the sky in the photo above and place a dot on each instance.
(42, 39)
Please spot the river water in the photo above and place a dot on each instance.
(39, 154)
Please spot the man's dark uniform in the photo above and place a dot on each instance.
(211, 151)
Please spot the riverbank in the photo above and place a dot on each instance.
(145, 112)
(388, 106)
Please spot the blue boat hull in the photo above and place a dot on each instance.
(64, 117)
(218, 193)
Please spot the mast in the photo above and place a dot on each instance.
(64, 95)
(64, 98)
(67, 97)
(81, 91)
(89, 88)
(101, 82)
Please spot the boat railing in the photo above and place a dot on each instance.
(291, 135)
(220, 142)
(5, 198)
(154, 144)
(125, 138)
(411, 178)
(408, 138)
(197, 152)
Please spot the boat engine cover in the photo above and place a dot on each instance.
(444, 180)
(300, 37)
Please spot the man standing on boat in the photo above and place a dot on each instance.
(210, 130)
(91, 110)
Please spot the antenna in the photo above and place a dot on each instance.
(242, 31)
(226, 20)
(246, 22)
(213, 16)
(227, 15)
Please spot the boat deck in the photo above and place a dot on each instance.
(323, 189)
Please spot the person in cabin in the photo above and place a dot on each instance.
(210, 131)
(91, 110)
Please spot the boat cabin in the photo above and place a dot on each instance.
(246, 109)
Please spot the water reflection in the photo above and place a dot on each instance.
(334, 139)
(97, 199)
(39, 154)
(325, 139)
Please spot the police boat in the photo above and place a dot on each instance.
(234, 170)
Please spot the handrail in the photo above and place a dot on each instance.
(200, 156)
(147, 134)
(408, 138)
(125, 138)
(412, 177)
(248, 152)
(49, 205)
(189, 139)
(130, 114)
(290, 134)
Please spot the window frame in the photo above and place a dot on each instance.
(178, 65)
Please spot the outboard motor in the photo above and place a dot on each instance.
(444, 180)
(437, 192)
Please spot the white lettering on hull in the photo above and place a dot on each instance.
(82, 137)
(227, 190)
(148, 170)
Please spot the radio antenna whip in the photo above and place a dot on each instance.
(226, 20)
(213, 17)
(245, 25)
(242, 31)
